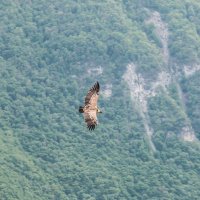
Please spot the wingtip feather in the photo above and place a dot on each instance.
(91, 127)
(97, 86)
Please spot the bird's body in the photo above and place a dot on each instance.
(90, 109)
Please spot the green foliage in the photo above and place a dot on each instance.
(182, 18)
(46, 51)
(165, 114)
(191, 89)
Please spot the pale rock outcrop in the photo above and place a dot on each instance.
(139, 97)
(98, 70)
(189, 70)
(107, 91)
(187, 134)
(162, 32)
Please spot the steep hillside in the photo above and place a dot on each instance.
(145, 54)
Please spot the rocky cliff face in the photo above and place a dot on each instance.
(141, 90)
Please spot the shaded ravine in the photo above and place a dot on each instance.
(187, 133)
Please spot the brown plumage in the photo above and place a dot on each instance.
(90, 109)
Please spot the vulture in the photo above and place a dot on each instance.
(90, 109)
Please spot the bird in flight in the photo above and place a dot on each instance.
(90, 109)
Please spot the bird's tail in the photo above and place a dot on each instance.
(81, 109)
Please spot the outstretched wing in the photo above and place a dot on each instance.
(92, 96)
(90, 118)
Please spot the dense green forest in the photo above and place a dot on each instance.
(48, 49)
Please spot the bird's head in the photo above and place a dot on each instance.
(98, 110)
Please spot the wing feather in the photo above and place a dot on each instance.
(90, 118)
(92, 96)
(90, 109)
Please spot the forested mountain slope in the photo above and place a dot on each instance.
(146, 56)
